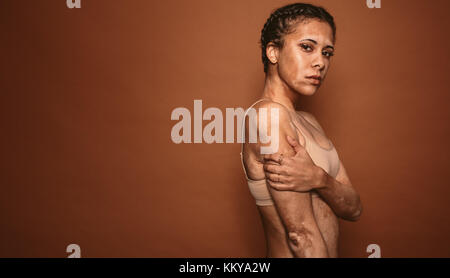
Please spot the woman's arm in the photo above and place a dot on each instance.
(294, 208)
(339, 194)
(300, 174)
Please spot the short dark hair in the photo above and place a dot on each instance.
(280, 22)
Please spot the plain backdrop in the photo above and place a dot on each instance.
(87, 95)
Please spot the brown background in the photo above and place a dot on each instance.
(86, 151)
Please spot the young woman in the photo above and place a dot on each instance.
(303, 188)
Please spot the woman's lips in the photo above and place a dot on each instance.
(315, 80)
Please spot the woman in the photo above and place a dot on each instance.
(303, 188)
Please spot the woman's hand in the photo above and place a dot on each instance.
(297, 173)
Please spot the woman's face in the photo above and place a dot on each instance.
(304, 59)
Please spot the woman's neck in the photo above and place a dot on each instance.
(278, 91)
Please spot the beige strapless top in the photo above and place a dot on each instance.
(327, 159)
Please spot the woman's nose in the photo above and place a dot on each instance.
(318, 62)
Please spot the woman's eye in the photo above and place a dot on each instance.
(306, 47)
(328, 54)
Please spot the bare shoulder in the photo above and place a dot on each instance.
(266, 119)
(272, 128)
(269, 105)
(285, 117)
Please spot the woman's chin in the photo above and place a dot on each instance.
(308, 90)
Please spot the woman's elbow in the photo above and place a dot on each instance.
(355, 213)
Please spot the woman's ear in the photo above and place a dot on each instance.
(272, 52)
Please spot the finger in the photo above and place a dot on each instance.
(271, 168)
(277, 169)
(279, 186)
(272, 177)
(275, 178)
(294, 144)
(276, 157)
